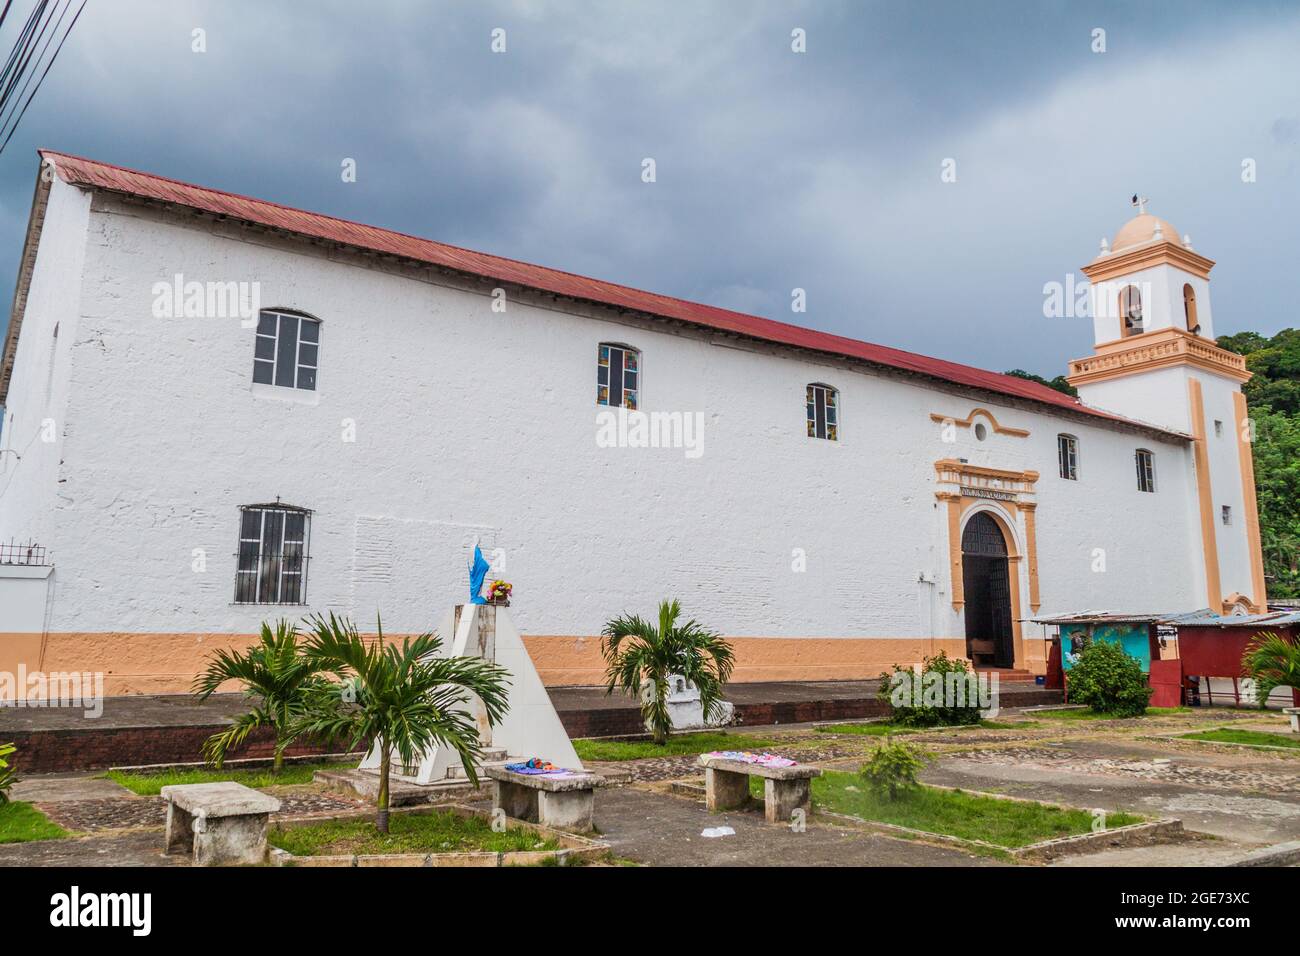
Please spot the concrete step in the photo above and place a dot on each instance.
(457, 772)
(1008, 675)
(401, 792)
(491, 755)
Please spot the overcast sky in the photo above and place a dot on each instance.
(775, 169)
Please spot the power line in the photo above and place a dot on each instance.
(24, 62)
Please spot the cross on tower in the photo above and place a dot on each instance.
(1140, 203)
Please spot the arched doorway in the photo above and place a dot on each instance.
(987, 584)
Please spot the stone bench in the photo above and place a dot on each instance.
(785, 789)
(564, 802)
(1294, 714)
(218, 824)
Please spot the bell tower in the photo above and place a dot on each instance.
(1155, 360)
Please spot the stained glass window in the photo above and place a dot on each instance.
(618, 376)
(822, 403)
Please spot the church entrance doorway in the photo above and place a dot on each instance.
(987, 584)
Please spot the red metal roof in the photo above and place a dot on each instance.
(80, 171)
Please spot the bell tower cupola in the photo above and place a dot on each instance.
(1147, 279)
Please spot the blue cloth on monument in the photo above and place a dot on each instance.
(477, 573)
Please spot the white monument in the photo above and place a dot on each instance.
(685, 710)
(530, 727)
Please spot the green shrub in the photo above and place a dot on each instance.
(7, 775)
(1108, 681)
(932, 709)
(892, 768)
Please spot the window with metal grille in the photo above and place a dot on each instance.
(618, 372)
(1146, 470)
(1227, 514)
(823, 411)
(287, 351)
(1067, 453)
(273, 555)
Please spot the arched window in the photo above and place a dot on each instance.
(1189, 309)
(1130, 311)
(1067, 454)
(287, 351)
(1146, 470)
(823, 404)
(618, 371)
(272, 559)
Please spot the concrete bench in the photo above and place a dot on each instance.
(1294, 714)
(218, 824)
(785, 789)
(564, 802)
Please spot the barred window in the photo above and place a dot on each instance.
(1146, 470)
(273, 555)
(823, 411)
(618, 374)
(287, 352)
(1067, 453)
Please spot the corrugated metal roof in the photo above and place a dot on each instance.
(1272, 619)
(84, 172)
(1128, 617)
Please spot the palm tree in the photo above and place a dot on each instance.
(641, 657)
(7, 775)
(276, 675)
(1273, 661)
(403, 699)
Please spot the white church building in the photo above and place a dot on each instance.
(220, 411)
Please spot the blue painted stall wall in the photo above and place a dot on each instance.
(1131, 637)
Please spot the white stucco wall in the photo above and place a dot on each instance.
(38, 391)
(469, 421)
(1232, 541)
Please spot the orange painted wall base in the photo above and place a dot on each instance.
(167, 663)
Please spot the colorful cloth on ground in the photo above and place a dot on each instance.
(746, 756)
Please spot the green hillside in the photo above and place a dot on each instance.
(1274, 398)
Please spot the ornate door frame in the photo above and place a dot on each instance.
(1008, 497)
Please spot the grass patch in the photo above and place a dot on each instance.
(1005, 823)
(21, 823)
(1258, 737)
(1092, 715)
(889, 730)
(437, 832)
(677, 745)
(868, 730)
(148, 783)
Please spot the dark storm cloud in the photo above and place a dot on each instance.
(775, 170)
